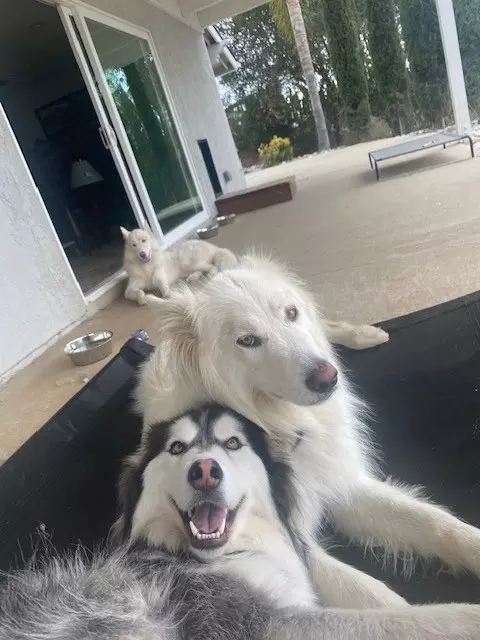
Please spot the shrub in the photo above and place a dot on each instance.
(276, 151)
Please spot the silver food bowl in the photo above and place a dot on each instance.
(208, 232)
(90, 348)
(226, 219)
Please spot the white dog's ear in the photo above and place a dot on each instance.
(176, 313)
(176, 316)
(125, 233)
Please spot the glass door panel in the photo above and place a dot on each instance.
(136, 88)
(106, 130)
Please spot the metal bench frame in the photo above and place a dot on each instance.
(422, 144)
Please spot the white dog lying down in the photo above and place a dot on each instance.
(210, 559)
(252, 339)
(151, 268)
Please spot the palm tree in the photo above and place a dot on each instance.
(301, 43)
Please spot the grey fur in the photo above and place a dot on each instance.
(134, 594)
(151, 595)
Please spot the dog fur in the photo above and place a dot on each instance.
(321, 436)
(151, 268)
(251, 585)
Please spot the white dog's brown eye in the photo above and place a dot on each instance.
(177, 447)
(133, 245)
(249, 341)
(144, 239)
(291, 312)
(233, 443)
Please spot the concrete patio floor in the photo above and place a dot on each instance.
(369, 252)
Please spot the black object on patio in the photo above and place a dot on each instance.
(416, 144)
(425, 388)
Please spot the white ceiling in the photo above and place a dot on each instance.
(33, 43)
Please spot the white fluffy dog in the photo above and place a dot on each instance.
(252, 339)
(151, 268)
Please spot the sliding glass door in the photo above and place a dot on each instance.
(122, 61)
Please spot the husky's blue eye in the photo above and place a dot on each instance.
(250, 341)
(233, 443)
(177, 447)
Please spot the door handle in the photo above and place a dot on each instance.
(103, 137)
(111, 137)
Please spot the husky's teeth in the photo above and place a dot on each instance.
(205, 536)
(221, 528)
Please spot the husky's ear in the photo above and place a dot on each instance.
(125, 233)
(129, 490)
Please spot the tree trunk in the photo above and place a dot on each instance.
(301, 42)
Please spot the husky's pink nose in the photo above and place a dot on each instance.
(205, 474)
(322, 378)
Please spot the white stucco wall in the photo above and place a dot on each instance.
(39, 297)
(193, 87)
(38, 294)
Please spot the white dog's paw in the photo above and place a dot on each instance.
(194, 277)
(141, 298)
(367, 336)
(151, 300)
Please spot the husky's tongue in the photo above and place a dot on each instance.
(208, 517)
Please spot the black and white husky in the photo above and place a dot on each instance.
(209, 557)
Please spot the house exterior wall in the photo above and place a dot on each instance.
(189, 75)
(39, 296)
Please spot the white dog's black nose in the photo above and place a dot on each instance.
(322, 378)
(142, 255)
(205, 474)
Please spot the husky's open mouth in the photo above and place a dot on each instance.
(208, 524)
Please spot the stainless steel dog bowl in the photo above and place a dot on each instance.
(208, 232)
(90, 348)
(227, 219)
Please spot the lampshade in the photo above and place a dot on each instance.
(83, 174)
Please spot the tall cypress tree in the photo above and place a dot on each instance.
(388, 62)
(348, 61)
(423, 44)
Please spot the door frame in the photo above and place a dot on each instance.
(106, 132)
(79, 11)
